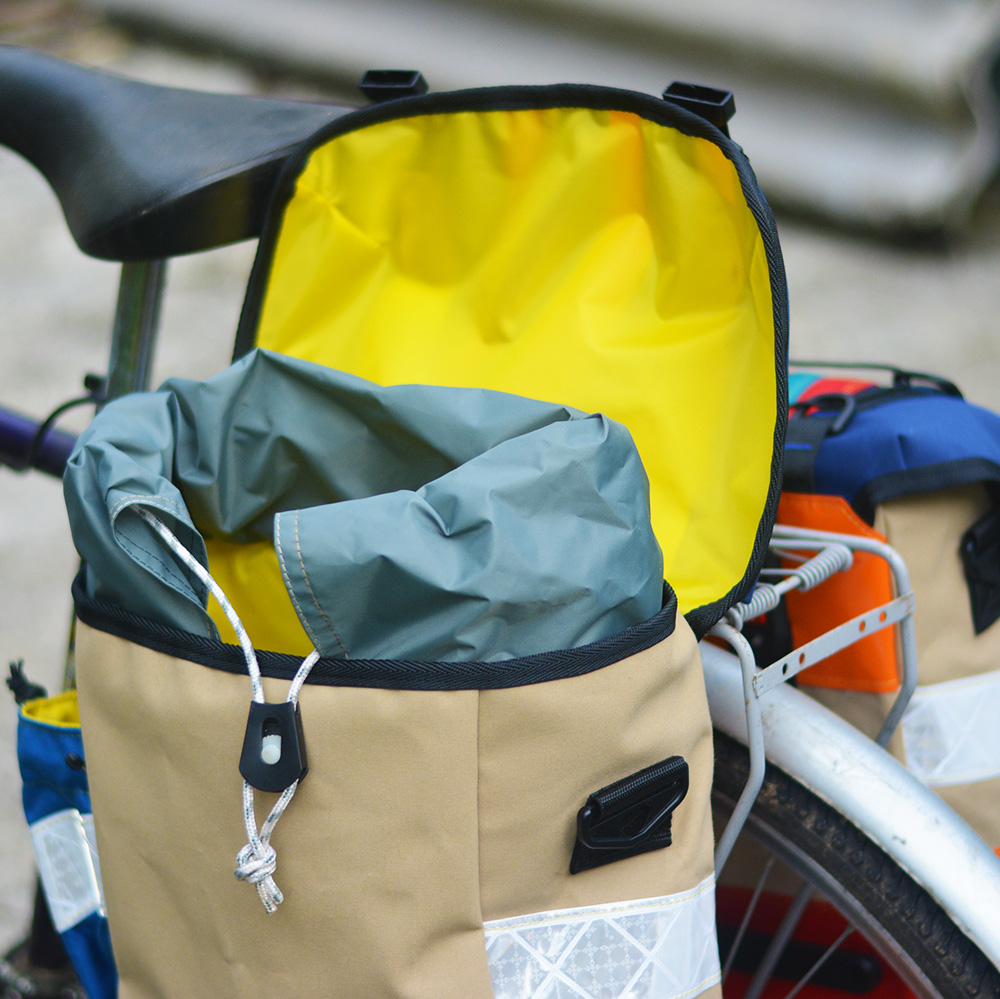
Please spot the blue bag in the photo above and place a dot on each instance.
(57, 806)
(877, 443)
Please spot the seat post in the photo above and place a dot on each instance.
(137, 318)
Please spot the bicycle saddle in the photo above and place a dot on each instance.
(141, 171)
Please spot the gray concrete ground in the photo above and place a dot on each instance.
(850, 299)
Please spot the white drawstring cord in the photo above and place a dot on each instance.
(257, 861)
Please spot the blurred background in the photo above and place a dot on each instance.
(872, 124)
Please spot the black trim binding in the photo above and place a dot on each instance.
(926, 479)
(514, 98)
(382, 674)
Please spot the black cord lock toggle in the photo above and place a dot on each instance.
(274, 747)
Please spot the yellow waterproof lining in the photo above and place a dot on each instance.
(582, 256)
(61, 710)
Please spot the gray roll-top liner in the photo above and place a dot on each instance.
(414, 524)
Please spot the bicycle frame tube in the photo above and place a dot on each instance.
(848, 771)
(137, 317)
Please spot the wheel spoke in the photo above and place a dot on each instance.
(906, 932)
(819, 964)
(778, 943)
(747, 916)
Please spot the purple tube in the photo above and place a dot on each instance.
(17, 438)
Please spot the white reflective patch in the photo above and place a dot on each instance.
(67, 864)
(88, 829)
(654, 948)
(950, 730)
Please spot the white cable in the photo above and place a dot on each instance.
(257, 861)
(227, 608)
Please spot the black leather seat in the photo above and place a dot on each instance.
(142, 171)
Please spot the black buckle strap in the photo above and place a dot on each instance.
(806, 433)
(631, 816)
(980, 552)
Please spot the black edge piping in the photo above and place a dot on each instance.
(929, 478)
(382, 674)
(515, 98)
(702, 618)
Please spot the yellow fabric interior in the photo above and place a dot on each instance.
(588, 257)
(61, 710)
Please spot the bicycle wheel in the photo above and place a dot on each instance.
(897, 918)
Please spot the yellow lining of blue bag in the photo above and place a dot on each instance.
(61, 711)
(583, 256)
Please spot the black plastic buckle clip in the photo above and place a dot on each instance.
(904, 379)
(846, 402)
(631, 816)
(274, 747)
(386, 84)
(714, 105)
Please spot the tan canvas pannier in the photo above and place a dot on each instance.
(534, 824)
(924, 478)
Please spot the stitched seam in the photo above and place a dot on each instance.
(159, 567)
(305, 576)
(612, 910)
(931, 691)
(166, 568)
(701, 986)
(303, 620)
(137, 496)
(167, 574)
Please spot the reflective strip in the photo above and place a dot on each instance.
(88, 830)
(67, 864)
(654, 948)
(950, 730)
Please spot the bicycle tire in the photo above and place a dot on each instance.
(909, 930)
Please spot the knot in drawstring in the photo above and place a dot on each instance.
(256, 864)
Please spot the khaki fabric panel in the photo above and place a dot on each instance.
(927, 530)
(545, 748)
(377, 853)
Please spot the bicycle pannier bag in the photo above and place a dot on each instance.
(57, 806)
(913, 464)
(504, 790)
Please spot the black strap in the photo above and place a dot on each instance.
(980, 551)
(806, 433)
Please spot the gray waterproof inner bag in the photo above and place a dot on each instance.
(410, 522)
